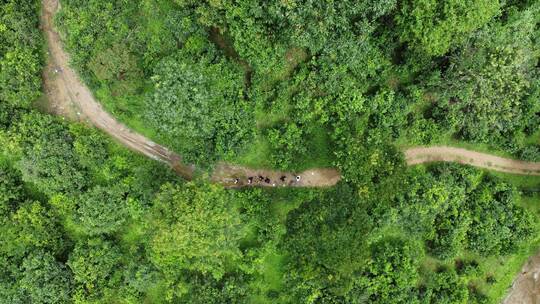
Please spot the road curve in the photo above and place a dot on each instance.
(66, 81)
(61, 82)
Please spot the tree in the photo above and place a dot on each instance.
(391, 273)
(196, 229)
(93, 263)
(44, 280)
(446, 287)
(325, 244)
(53, 168)
(487, 88)
(450, 227)
(19, 77)
(11, 189)
(48, 158)
(438, 26)
(101, 210)
(288, 143)
(200, 101)
(20, 53)
(118, 67)
(498, 224)
(29, 228)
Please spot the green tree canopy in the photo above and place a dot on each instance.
(199, 103)
(325, 245)
(197, 228)
(490, 90)
(44, 280)
(93, 263)
(391, 272)
(436, 26)
(101, 210)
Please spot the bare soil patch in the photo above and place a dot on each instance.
(419, 155)
(526, 287)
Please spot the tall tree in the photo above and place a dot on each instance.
(437, 26)
(196, 228)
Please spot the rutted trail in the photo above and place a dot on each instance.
(62, 83)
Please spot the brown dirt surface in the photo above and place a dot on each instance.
(526, 287)
(237, 176)
(420, 155)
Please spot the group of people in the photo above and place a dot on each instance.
(265, 179)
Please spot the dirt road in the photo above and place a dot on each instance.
(71, 98)
(421, 155)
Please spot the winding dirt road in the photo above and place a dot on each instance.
(65, 89)
(69, 95)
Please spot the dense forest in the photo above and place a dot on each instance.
(272, 84)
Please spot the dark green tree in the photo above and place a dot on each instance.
(93, 263)
(44, 280)
(101, 210)
(391, 274)
(437, 26)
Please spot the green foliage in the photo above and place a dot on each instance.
(117, 66)
(45, 280)
(391, 271)
(489, 92)
(101, 210)
(48, 157)
(93, 263)
(195, 229)
(11, 189)
(18, 82)
(20, 53)
(199, 101)
(437, 26)
(324, 241)
(445, 286)
(498, 225)
(288, 140)
(325, 83)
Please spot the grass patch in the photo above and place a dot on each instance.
(522, 182)
(533, 139)
(319, 155)
(256, 154)
(447, 140)
(268, 282)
